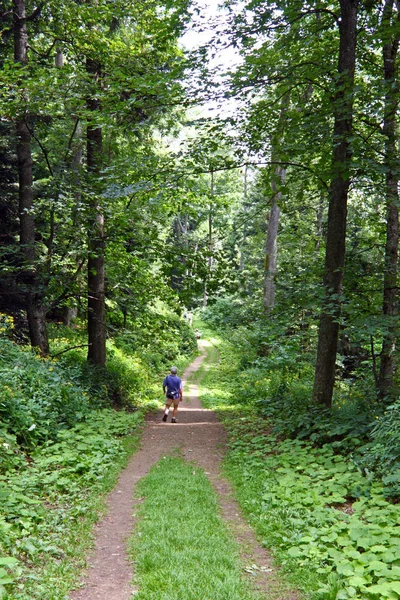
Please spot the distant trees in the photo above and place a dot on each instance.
(122, 218)
(338, 92)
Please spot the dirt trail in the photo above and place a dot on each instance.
(201, 438)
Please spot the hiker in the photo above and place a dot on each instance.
(188, 317)
(172, 388)
(197, 334)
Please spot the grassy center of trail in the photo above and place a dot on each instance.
(181, 547)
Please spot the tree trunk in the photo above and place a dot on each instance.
(337, 215)
(320, 216)
(390, 49)
(245, 207)
(271, 244)
(210, 243)
(59, 59)
(96, 243)
(36, 313)
(271, 249)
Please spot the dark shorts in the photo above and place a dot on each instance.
(174, 401)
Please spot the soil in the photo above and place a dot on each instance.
(201, 438)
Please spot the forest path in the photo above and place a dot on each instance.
(201, 438)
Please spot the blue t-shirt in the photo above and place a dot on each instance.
(173, 383)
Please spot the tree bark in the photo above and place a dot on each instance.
(210, 242)
(245, 208)
(390, 49)
(320, 216)
(36, 313)
(271, 246)
(96, 242)
(328, 333)
(271, 243)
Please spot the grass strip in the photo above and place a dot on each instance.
(181, 547)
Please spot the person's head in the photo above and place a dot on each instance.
(174, 370)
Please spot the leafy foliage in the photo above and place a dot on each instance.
(46, 500)
(39, 398)
(311, 498)
(382, 453)
(159, 337)
(62, 444)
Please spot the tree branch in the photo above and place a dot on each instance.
(68, 349)
(42, 149)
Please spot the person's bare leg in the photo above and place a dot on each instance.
(166, 411)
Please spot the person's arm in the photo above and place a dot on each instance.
(180, 393)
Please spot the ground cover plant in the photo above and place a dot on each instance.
(49, 503)
(181, 547)
(67, 428)
(326, 518)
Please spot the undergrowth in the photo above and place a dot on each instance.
(323, 513)
(50, 502)
(67, 428)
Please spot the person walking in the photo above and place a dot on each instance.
(172, 388)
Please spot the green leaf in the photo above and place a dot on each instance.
(384, 590)
(345, 568)
(9, 561)
(395, 586)
(358, 581)
(4, 577)
(376, 566)
(295, 552)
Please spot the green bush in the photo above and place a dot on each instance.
(38, 397)
(158, 339)
(229, 312)
(382, 453)
(325, 519)
(61, 443)
(49, 502)
(10, 455)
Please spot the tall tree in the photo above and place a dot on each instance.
(328, 333)
(96, 242)
(390, 36)
(30, 279)
(277, 180)
(271, 245)
(210, 239)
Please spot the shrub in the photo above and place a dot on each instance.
(39, 397)
(382, 453)
(229, 312)
(158, 339)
